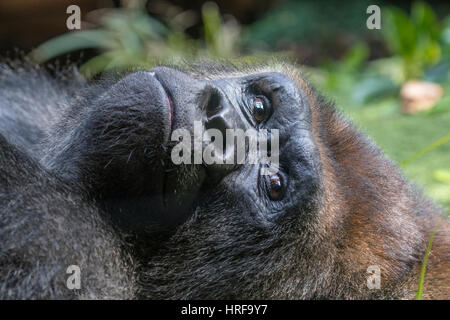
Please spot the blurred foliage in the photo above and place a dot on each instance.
(424, 266)
(221, 38)
(129, 37)
(417, 42)
(350, 77)
(426, 150)
(442, 175)
(368, 92)
(420, 47)
(308, 21)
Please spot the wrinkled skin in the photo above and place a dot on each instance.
(208, 231)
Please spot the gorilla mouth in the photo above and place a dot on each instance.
(165, 190)
(174, 199)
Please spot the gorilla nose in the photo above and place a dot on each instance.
(219, 116)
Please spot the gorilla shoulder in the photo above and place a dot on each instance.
(45, 228)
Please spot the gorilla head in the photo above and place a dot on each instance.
(120, 147)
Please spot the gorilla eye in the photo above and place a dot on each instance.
(275, 187)
(261, 110)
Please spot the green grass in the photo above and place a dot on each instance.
(401, 136)
(424, 267)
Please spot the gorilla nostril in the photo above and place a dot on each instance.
(215, 110)
(217, 122)
(214, 104)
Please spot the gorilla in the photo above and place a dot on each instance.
(87, 180)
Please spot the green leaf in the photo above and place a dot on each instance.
(212, 23)
(400, 33)
(373, 87)
(442, 106)
(355, 58)
(442, 175)
(95, 65)
(424, 19)
(426, 150)
(424, 267)
(70, 42)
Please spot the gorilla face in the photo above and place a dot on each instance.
(259, 101)
(124, 142)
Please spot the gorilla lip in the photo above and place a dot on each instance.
(171, 118)
(171, 108)
(169, 99)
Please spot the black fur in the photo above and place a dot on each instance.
(45, 228)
